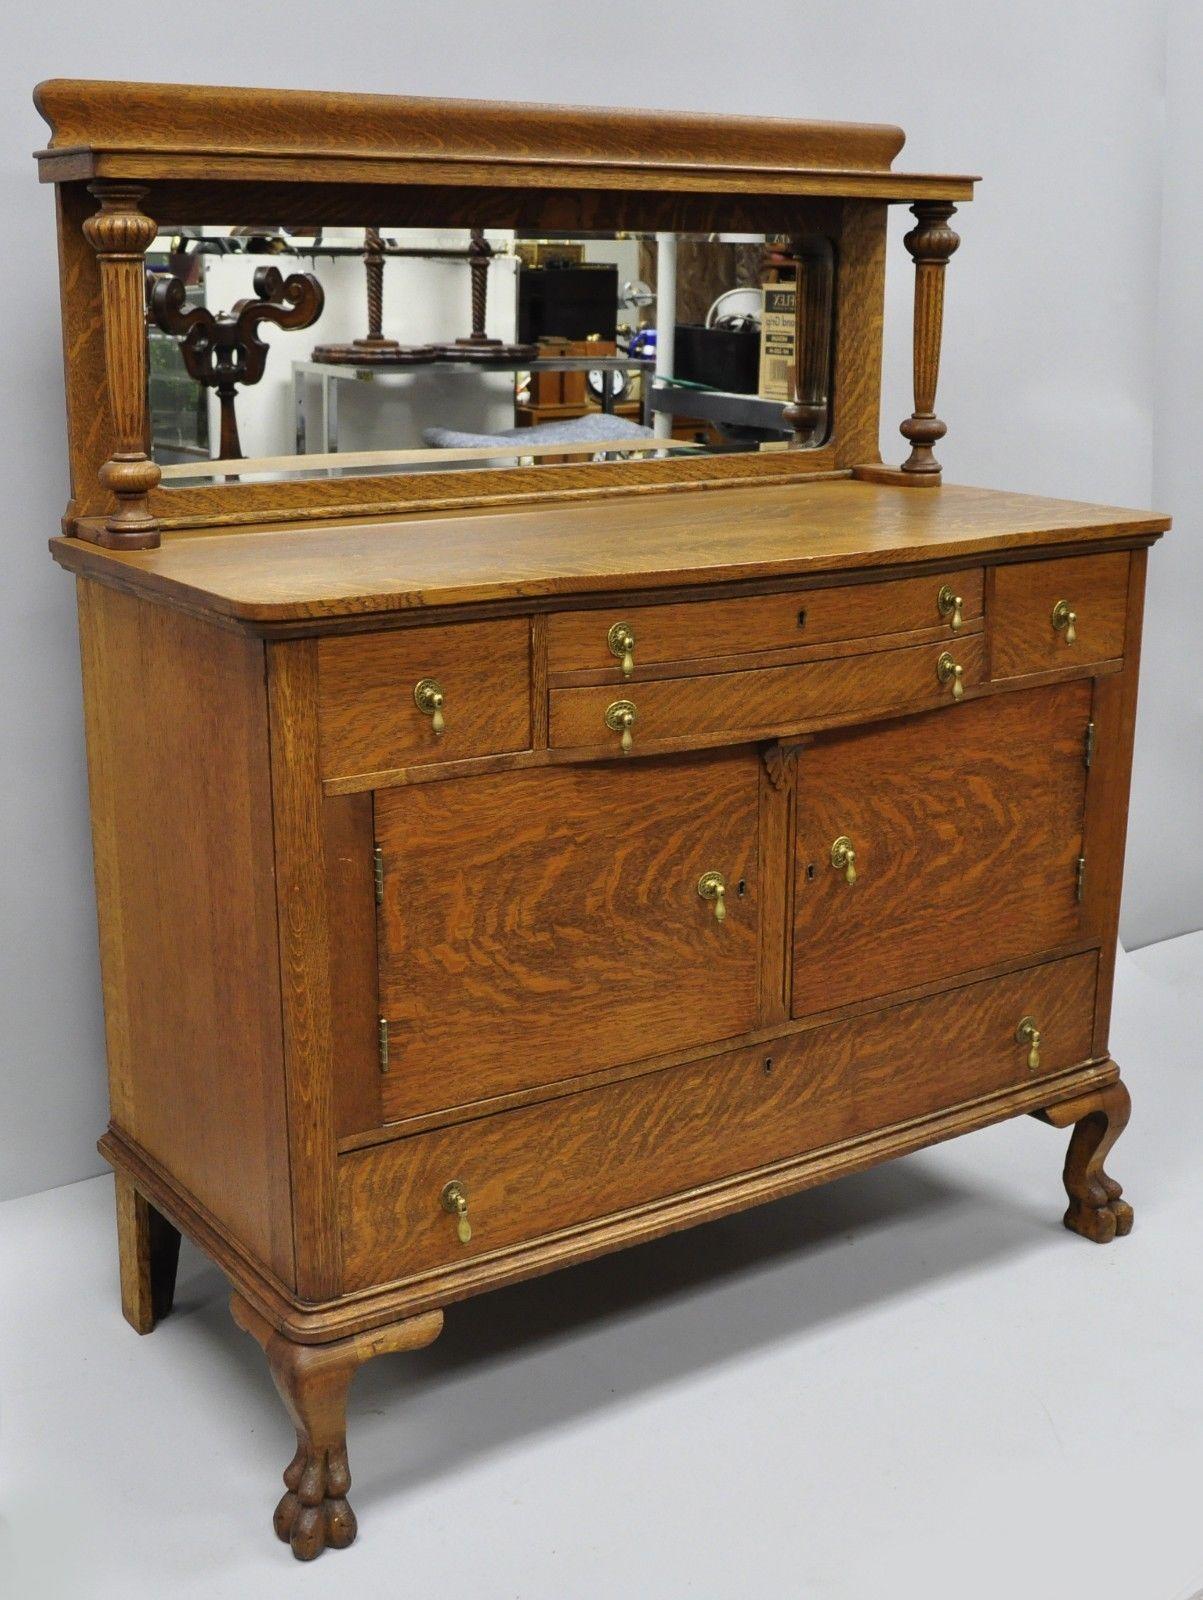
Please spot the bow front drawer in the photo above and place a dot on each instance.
(765, 701)
(1064, 613)
(618, 643)
(421, 695)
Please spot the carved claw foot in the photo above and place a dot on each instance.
(1096, 1208)
(313, 1381)
(314, 1511)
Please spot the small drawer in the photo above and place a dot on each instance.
(700, 630)
(474, 678)
(532, 1171)
(762, 701)
(1061, 613)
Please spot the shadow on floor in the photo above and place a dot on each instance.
(538, 1355)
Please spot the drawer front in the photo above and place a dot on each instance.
(1029, 626)
(579, 641)
(369, 720)
(532, 1171)
(966, 830)
(764, 701)
(541, 924)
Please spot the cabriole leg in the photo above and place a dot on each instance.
(148, 1250)
(313, 1381)
(1096, 1208)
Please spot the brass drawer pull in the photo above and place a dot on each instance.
(948, 670)
(843, 858)
(1066, 621)
(620, 718)
(1028, 1033)
(428, 697)
(454, 1199)
(713, 886)
(622, 644)
(951, 606)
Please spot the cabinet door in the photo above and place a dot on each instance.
(542, 924)
(967, 827)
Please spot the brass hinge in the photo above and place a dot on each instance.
(378, 871)
(382, 1035)
(1079, 877)
(1088, 752)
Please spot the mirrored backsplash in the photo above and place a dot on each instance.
(283, 354)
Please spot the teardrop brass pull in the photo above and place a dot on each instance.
(713, 886)
(620, 718)
(622, 644)
(1028, 1033)
(950, 671)
(950, 605)
(843, 858)
(428, 697)
(454, 1199)
(1066, 621)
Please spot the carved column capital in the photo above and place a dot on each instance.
(931, 239)
(120, 230)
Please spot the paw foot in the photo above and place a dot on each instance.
(313, 1511)
(1102, 1218)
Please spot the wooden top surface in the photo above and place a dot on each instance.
(180, 130)
(288, 573)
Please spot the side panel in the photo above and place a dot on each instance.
(176, 715)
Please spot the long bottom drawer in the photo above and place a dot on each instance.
(544, 1167)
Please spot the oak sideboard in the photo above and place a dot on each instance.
(496, 868)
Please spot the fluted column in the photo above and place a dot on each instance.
(930, 242)
(120, 233)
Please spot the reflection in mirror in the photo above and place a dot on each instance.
(364, 350)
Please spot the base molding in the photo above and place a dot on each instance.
(321, 1322)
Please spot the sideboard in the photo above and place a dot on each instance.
(491, 882)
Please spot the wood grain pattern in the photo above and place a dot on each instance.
(574, 888)
(148, 1250)
(1023, 638)
(966, 827)
(366, 709)
(186, 119)
(860, 313)
(306, 960)
(628, 544)
(766, 701)
(931, 243)
(348, 838)
(1114, 713)
(637, 1141)
(176, 722)
(753, 626)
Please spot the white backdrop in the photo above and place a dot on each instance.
(1060, 374)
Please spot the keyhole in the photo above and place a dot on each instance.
(810, 872)
(802, 617)
(742, 887)
(768, 1065)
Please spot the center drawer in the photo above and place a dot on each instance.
(765, 701)
(533, 1171)
(592, 642)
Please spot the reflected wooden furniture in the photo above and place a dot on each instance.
(485, 890)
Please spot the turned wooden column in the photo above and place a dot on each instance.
(810, 380)
(120, 233)
(931, 241)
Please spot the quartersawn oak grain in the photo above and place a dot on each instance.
(537, 925)
(763, 701)
(577, 640)
(966, 828)
(1022, 636)
(369, 720)
(533, 1171)
(626, 545)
